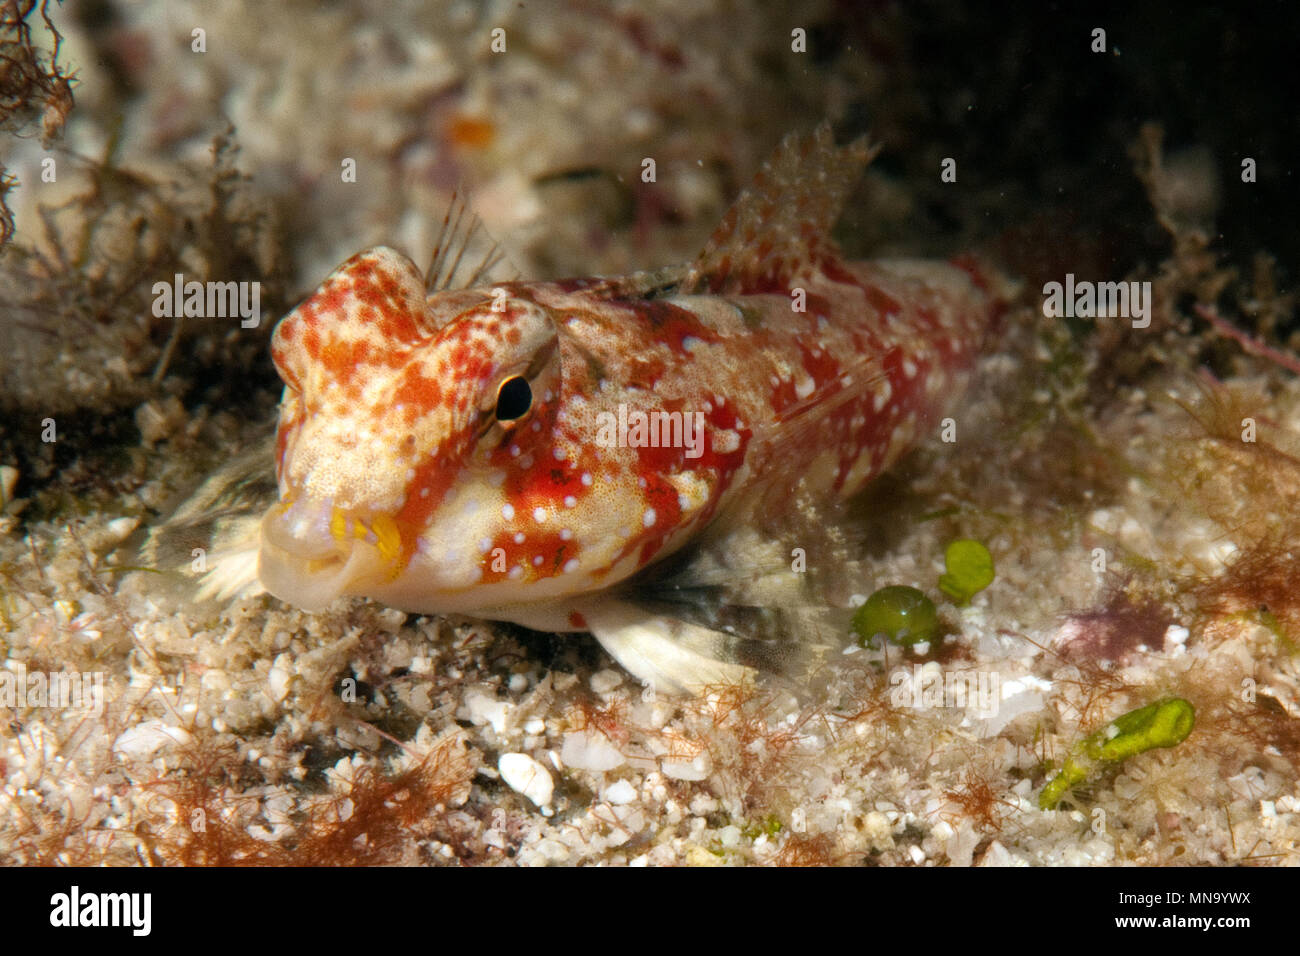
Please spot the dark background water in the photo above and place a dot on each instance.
(1034, 116)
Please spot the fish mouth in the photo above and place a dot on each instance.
(309, 554)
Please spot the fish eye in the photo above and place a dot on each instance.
(514, 399)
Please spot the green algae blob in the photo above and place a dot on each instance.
(1165, 723)
(904, 615)
(970, 570)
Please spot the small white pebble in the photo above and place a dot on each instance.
(680, 769)
(149, 736)
(119, 528)
(525, 775)
(590, 750)
(620, 792)
(277, 682)
(604, 681)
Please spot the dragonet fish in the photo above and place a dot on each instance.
(523, 451)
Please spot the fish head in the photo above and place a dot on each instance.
(402, 418)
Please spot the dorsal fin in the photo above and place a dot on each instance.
(780, 227)
(460, 227)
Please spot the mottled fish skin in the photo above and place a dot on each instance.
(398, 480)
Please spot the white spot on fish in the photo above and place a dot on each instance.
(508, 511)
(725, 442)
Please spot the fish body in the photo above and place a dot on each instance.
(521, 451)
